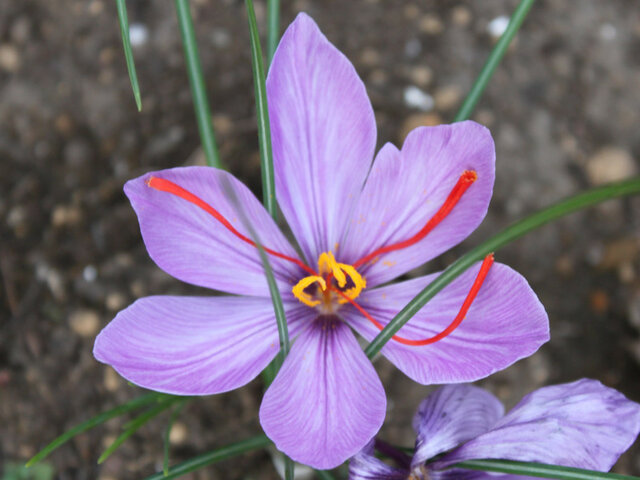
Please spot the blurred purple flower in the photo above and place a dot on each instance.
(581, 424)
(361, 228)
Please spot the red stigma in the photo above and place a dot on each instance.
(168, 186)
(473, 292)
(461, 186)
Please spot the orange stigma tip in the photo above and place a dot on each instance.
(473, 292)
(469, 176)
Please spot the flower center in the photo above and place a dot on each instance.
(335, 284)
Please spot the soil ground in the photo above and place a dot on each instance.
(563, 108)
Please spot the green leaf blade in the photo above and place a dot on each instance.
(196, 80)
(128, 53)
(135, 424)
(273, 28)
(264, 129)
(131, 405)
(218, 455)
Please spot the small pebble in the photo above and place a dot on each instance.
(96, 7)
(461, 16)
(85, 323)
(421, 76)
(370, 57)
(179, 434)
(607, 32)
(431, 25)
(112, 380)
(9, 58)
(138, 34)
(222, 124)
(497, 26)
(115, 301)
(446, 98)
(610, 164)
(64, 216)
(89, 273)
(413, 48)
(418, 99)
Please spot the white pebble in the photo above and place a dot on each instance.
(416, 98)
(497, 26)
(607, 32)
(90, 273)
(138, 34)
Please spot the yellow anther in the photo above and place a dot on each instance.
(358, 280)
(327, 264)
(328, 295)
(304, 297)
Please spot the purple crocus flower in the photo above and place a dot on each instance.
(581, 424)
(357, 227)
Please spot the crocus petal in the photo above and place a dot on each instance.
(324, 134)
(506, 322)
(190, 244)
(193, 345)
(406, 188)
(366, 466)
(327, 401)
(581, 424)
(450, 416)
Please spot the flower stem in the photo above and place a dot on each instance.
(494, 60)
(518, 229)
(196, 79)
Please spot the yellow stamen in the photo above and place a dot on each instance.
(329, 268)
(359, 282)
(304, 297)
(327, 264)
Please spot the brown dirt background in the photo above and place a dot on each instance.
(563, 107)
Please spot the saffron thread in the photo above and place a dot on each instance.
(473, 292)
(461, 186)
(168, 186)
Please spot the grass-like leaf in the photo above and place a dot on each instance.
(128, 54)
(224, 453)
(540, 470)
(196, 80)
(494, 59)
(131, 405)
(518, 229)
(264, 131)
(132, 426)
(273, 28)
